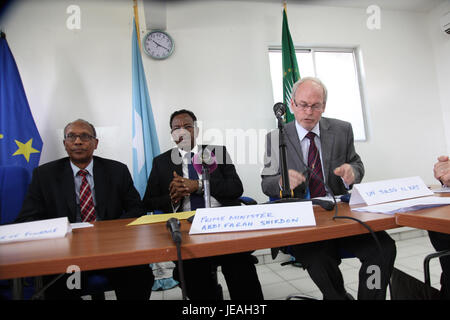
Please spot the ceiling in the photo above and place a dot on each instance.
(408, 5)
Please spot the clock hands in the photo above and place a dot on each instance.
(159, 45)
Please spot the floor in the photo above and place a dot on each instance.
(280, 281)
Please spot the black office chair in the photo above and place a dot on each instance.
(426, 263)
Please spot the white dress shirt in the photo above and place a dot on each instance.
(186, 200)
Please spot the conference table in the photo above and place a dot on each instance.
(114, 243)
(437, 219)
(110, 244)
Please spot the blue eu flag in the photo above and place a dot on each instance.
(20, 142)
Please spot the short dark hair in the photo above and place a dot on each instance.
(182, 111)
(83, 121)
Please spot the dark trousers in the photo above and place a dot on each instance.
(322, 260)
(129, 283)
(238, 269)
(441, 241)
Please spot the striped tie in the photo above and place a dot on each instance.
(195, 199)
(86, 201)
(316, 187)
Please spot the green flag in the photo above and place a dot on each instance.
(290, 67)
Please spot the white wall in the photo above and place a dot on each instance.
(441, 48)
(220, 71)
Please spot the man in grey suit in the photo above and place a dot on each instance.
(326, 146)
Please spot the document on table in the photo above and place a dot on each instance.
(81, 225)
(154, 218)
(405, 205)
(441, 190)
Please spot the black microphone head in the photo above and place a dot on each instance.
(173, 224)
(279, 109)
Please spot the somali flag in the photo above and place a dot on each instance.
(145, 139)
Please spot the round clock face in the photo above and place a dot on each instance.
(158, 44)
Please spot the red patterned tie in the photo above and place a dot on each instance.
(316, 187)
(86, 201)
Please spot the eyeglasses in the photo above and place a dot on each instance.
(304, 106)
(186, 127)
(83, 137)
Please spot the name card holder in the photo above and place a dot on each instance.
(389, 190)
(36, 230)
(256, 217)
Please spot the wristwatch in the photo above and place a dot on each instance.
(200, 186)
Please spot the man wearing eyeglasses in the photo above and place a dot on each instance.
(174, 186)
(325, 146)
(87, 188)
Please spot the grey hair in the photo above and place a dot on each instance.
(83, 121)
(313, 79)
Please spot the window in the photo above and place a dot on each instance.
(340, 72)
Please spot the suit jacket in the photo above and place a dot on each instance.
(336, 139)
(225, 184)
(51, 193)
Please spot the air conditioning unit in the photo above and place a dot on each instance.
(445, 23)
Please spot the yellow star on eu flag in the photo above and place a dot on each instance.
(25, 149)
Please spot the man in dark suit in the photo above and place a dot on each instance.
(87, 188)
(174, 186)
(326, 146)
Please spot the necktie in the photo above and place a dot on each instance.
(316, 187)
(86, 201)
(196, 200)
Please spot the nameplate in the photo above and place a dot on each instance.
(388, 190)
(254, 217)
(36, 230)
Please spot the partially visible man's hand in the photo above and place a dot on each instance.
(180, 187)
(345, 171)
(442, 170)
(295, 179)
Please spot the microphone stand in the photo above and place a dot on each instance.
(206, 187)
(285, 189)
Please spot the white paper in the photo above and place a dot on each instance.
(371, 193)
(80, 225)
(405, 205)
(442, 190)
(255, 217)
(36, 230)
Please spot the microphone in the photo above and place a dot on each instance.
(279, 109)
(173, 225)
(204, 158)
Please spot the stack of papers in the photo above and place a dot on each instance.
(405, 205)
(441, 190)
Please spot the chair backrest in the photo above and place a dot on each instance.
(14, 183)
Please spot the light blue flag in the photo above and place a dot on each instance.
(145, 139)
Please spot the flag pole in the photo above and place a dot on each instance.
(136, 19)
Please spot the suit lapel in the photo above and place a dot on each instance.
(175, 162)
(68, 189)
(101, 182)
(291, 131)
(326, 142)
